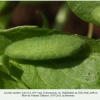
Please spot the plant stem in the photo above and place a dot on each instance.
(90, 30)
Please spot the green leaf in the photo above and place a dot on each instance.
(6, 82)
(5, 12)
(86, 10)
(23, 32)
(80, 71)
(62, 16)
(45, 20)
(4, 64)
(4, 42)
(3, 4)
(4, 20)
(9, 36)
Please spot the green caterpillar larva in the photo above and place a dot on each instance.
(45, 47)
(96, 14)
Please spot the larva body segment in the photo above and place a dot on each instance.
(45, 47)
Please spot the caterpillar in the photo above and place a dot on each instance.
(45, 47)
(96, 14)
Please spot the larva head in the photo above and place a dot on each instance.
(96, 14)
(45, 47)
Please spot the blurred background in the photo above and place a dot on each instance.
(50, 14)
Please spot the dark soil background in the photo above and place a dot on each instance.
(27, 14)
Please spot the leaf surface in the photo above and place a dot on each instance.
(6, 82)
(86, 10)
(80, 71)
